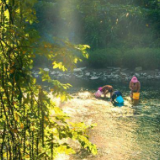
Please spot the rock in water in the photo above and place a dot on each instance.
(79, 69)
(87, 74)
(94, 77)
(46, 69)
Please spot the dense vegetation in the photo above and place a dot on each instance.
(31, 125)
(121, 33)
(129, 28)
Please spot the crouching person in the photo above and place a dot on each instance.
(106, 89)
(117, 98)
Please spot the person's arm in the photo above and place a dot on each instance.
(110, 94)
(113, 97)
(105, 92)
(130, 85)
(139, 86)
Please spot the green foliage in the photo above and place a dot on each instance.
(107, 26)
(104, 23)
(148, 58)
(32, 126)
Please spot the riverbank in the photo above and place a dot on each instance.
(106, 74)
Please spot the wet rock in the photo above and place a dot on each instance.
(79, 76)
(114, 68)
(108, 76)
(79, 69)
(98, 74)
(53, 72)
(78, 73)
(123, 74)
(104, 78)
(60, 74)
(113, 73)
(127, 78)
(137, 69)
(104, 74)
(87, 74)
(157, 77)
(137, 75)
(144, 74)
(46, 69)
(68, 75)
(116, 76)
(94, 77)
(149, 77)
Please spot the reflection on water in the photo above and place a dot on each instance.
(135, 102)
(127, 132)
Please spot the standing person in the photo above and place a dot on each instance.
(106, 89)
(134, 85)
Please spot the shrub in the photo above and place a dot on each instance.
(148, 58)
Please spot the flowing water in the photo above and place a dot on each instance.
(130, 132)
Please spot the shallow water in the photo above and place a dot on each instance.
(131, 132)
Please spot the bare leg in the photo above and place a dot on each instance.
(105, 92)
(131, 95)
(111, 94)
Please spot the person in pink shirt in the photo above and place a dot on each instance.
(106, 89)
(134, 85)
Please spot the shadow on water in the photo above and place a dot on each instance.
(118, 104)
(136, 107)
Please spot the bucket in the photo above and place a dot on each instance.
(98, 94)
(136, 95)
(119, 99)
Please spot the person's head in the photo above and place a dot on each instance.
(100, 88)
(134, 79)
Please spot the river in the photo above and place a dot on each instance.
(130, 132)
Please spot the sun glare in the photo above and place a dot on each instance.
(69, 24)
